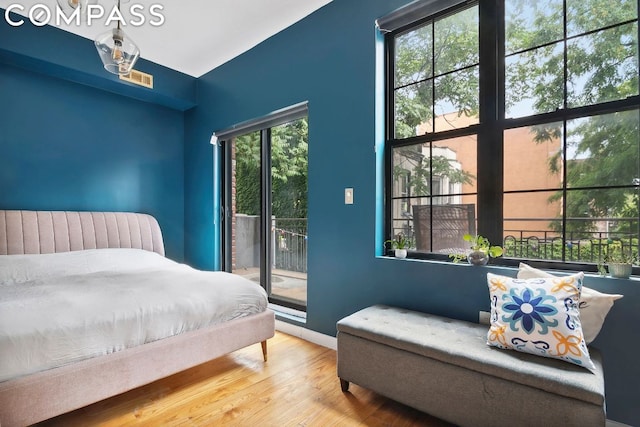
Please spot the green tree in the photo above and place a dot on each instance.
(247, 173)
(289, 154)
(433, 60)
(601, 66)
(418, 170)
(436, 73)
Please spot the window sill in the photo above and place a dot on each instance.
(510, 265)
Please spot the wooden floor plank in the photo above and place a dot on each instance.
(298, 386)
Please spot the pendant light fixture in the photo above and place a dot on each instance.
(117, 51)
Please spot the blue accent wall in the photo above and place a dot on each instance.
(66, 146)
(329, 60)
(75, 137)
(54, 52)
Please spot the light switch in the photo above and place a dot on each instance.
(348, 196)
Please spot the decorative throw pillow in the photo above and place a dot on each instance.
(538, 316)
(594, 306)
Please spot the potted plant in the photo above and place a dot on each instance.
(480, 252)
(400, 245)
(619, 260)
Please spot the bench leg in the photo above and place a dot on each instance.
(264, 350)
(344, 385)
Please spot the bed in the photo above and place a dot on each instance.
(91, 308)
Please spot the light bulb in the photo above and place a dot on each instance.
(116, 54)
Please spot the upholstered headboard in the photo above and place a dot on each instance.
(41, 232)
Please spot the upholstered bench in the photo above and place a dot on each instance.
(445, 368)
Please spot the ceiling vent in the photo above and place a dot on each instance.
(138, 78)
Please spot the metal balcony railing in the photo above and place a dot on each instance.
(290, 241)
(545, 244)
(577, 247)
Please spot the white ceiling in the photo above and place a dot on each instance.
(197, 35)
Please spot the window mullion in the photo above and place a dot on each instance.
(564, 187)
(265, 208)
(564, 130)
(490, 151)
(390, 131)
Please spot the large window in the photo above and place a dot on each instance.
(517, 120)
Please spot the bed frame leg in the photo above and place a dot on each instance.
(264, 350)
(344, 385)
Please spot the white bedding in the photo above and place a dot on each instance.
(60, 308)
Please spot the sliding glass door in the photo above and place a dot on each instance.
(244, 234)
(289, 212)
(265, 204)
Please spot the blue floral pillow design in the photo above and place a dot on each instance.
(538, 316)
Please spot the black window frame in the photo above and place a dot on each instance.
(493, 123)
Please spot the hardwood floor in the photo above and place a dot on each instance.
(298, 386)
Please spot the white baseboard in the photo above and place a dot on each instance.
(616, 424)
(307, 334)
